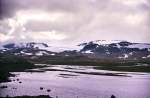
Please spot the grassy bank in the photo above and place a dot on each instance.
(125, 68)
(9, 63)
(104, 64)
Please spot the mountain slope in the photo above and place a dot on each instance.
(94, 49)
(116, 49)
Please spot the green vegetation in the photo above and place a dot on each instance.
(104, 64)
(9, 63)
(125, 68)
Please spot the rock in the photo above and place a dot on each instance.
(20, 82)
(14, 88)
(41, 88)
(48, 90)
(113, 96)
(3, 86)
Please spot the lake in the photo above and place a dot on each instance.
(66, 81)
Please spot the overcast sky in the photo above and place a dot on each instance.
(66, 22)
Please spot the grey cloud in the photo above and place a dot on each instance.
(84, 19)
(37, 27)
(10, 7)
(4, 27)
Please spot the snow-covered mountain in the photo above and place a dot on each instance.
(94, 49)
(25, 48)
(116, 49)
(118, 44)
(37, 49)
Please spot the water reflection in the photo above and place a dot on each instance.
(72, 81)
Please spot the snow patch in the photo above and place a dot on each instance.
(118, 46)
(104, 42)
(22, 52)
(66, 55)
(148, 56)
(4, 50)
(144, 57)
(140, 46)
(89, 51)
(53, 54)
(125, 56)
(131, 53)
(28, 53)
(61, 49)
(40, 53)
(107, 52)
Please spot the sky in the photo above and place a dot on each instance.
(68, 22)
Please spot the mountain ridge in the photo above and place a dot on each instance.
(94, 49)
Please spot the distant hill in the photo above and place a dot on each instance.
(94, 49)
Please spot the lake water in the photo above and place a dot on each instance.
(67, 81)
